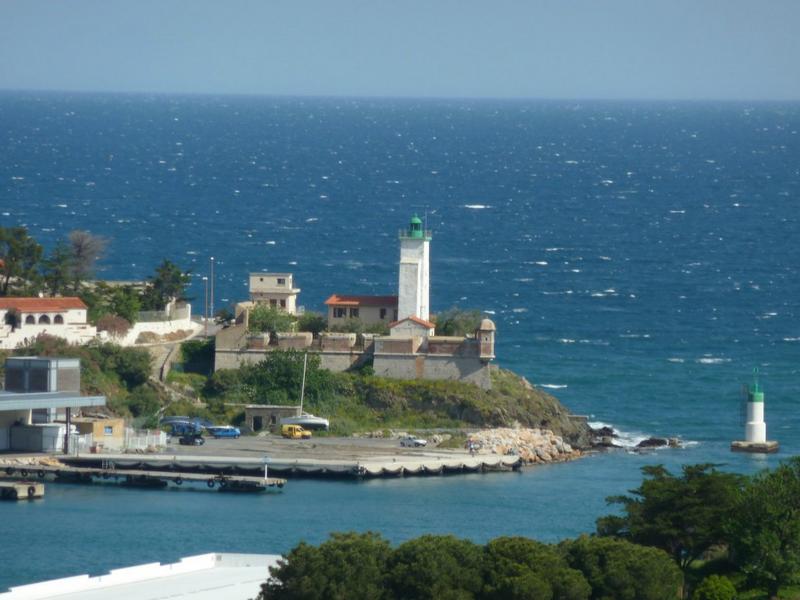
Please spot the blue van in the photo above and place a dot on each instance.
(224, 431)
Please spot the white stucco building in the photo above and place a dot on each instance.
(414, 280)
(26, 318)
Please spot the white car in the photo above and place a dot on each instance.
(413, 442)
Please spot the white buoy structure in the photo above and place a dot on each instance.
(755, 428)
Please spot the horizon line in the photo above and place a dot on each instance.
(286, 96)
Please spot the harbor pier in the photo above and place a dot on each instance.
(142, 477)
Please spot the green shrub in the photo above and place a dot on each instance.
(349, 325)
(198, 356)
(264, 318)
(456, 321)
(143, 401)
(715, 587)
(313, 322)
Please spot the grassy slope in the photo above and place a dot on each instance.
(356, 402)
(367, 402)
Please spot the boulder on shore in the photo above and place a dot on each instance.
(653, 442)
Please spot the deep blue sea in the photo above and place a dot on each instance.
(639, 259)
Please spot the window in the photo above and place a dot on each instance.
(281, 281)
(58, 320)
(273, 419)
(339, 313)
(283, 303)
(353, 313)
(383, 313)
(108, 430)
(44, 320)
(395, 315)
(30, 320)
(273, 303)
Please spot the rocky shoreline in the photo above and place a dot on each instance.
(532, 445)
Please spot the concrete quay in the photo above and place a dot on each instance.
(298, 467)
(323, 456)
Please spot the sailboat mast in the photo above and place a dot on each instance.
(303, 385)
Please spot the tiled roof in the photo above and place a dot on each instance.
(417, 320)
(42, 304)
(347, 300)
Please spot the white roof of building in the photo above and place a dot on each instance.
(201, 577)
(32, 400)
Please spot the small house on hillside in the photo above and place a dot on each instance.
(369, 310)
(27, 317)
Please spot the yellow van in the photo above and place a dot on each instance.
(295, 432)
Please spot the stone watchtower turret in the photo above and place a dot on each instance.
(485, 335)
(414, 281)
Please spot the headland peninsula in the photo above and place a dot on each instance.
(379, 368)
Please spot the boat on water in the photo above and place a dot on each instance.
(307, 421)
(304, 419)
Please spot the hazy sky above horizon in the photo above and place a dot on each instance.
(577, 49)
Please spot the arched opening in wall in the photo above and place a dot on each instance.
(44, 320)
(30, 320)
(58, 320)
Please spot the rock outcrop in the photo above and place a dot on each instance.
(532, 445)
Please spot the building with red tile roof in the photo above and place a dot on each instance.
(369, 309)
(23, 318)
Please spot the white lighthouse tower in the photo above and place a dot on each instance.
(755, 429)
(414, 282)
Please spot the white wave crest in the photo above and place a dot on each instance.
(712, 360)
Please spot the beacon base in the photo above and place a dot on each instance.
(767, 447)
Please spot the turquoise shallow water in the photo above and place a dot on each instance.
(639, 260)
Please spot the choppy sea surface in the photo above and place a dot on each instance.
(639, 259)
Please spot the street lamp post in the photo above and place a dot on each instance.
(205, 306)
(212, 285)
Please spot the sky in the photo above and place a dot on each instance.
(566, 49)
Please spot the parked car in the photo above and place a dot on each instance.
(295, 432)
(182, 427)
(191, 439)
(411, 441)
(224, 431)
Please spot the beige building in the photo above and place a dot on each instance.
(108, 432)
(275, 289)
(369, 310)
